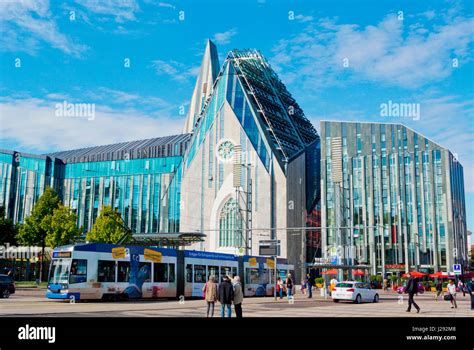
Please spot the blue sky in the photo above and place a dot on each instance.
(75, 51)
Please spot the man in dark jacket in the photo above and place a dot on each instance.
(310, 285)
(412, 289)
(226, 295)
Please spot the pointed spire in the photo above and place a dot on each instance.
(203, 88)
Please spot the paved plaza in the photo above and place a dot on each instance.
(32, 303)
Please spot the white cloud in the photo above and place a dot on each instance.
(27, 23)
(303, 18)
(224, 37)
(120, 10)
(388, 52)
(175, 70)
(31, 124)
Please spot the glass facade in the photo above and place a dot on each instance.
(145, 190)
(397, 195)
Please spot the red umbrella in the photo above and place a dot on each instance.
(330, 272)
(414, 274)
(358, 273)
(440, 274)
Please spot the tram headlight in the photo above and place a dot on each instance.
(63, 286)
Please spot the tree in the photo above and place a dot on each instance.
(8, 229)
(36, 226)
(108, 227)
(62, 227)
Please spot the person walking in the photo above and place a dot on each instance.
(238, 297)
(332, 285)
(304, 283)
(210, 295)
(439, 289)
(461, 287)
(289, 286)
(309, 285)
(226, 295)
(412, 289)
(279, 287)
(452, 294)
(471, 292)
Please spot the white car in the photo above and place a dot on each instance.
(354, 291)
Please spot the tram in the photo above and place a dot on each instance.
(98, 271)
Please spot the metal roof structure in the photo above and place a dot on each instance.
(284, 120)
(149, 148)
(170, 240)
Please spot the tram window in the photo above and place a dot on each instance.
(252, 276)
(234, 271)
(145, 268)
(225, 271)
(106, 271)
(213, 271)
(189, 273)
(123, 271)
(78, 271)
(172, 273)
(199, 274)
(161, 272)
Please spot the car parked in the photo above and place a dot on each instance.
(356, 292)
(7, 286)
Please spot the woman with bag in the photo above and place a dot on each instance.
(279, 287)
(452, 294)
(210, 295)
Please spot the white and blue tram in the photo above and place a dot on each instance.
(110, 272)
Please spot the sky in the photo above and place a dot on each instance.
(136, 62)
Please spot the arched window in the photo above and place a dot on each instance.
(230, 225)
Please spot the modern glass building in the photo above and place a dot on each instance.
(141, 179)
(244, 169)
(249, 166)
(391, 198)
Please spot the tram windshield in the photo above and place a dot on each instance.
(59, 272)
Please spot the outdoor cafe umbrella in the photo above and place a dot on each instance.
(439, 274)
(358, 273)
(330, 272)
(414, 274)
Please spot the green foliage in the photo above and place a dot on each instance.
(319, 280)
(108, 227)
(37, 226)
(8, 230)
(376, 278)
(394, 278)
(63, 229)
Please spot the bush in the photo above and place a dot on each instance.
(319, 280)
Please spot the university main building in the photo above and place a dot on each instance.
(249, 167)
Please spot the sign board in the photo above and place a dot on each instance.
(252, 261)
(152, 255)
(270, 263)
(269, 248)
(457, 269)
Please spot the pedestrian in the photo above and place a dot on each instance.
(385, 284)
(412, 289)
(309, 284)
(461, 287)
(439, 289)
(210, 295)
(304, 283)
(238, 297)
(226, 295)
(471, 292)
(289, 286)
(332, 285)
(452, 294)
(279, 287)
